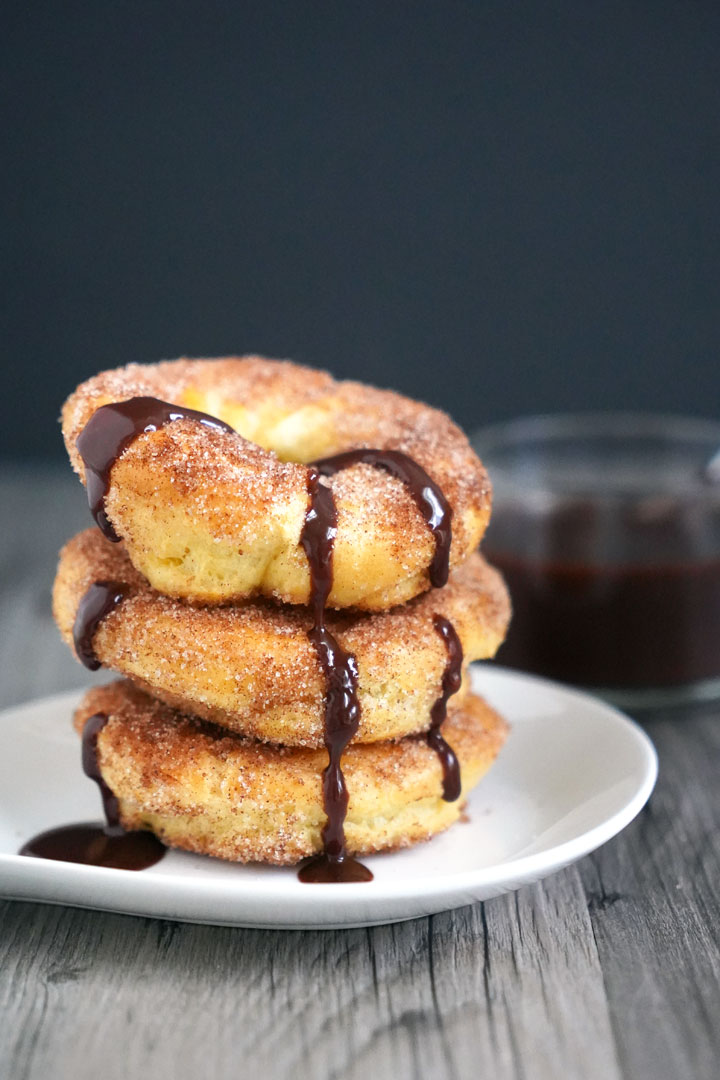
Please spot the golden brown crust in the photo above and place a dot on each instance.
(206, 791)
(211, 516)
(251, 668)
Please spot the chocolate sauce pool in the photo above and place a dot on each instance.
(109, 432)
(97, 845)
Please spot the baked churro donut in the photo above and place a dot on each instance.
(213, 515)
(201, 789)
(251, 668)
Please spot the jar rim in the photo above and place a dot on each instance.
(533, 455)
(629, 425)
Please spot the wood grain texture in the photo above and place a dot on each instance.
(655, 909)
(609, 969)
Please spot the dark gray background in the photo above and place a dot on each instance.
(500, 208)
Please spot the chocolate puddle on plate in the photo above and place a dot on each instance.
(97, 845)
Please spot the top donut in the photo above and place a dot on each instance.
(211, 515)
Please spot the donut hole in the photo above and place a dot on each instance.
(296, 436)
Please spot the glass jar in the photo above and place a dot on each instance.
(607, 530)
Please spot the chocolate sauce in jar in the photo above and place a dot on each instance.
(106, 845)
(426, 494)
(451, 681)
(100, 599)
(109, 432)
(342, 708)
(588, 610)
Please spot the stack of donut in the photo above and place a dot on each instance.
(284, 572)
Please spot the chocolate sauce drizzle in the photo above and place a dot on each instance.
(101, 598)
(91, 768)
(109, 432)
(451, 680)
(428, 497)
(97, 845)
(342, 708)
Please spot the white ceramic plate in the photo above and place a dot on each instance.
(572, 774)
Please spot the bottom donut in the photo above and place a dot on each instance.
(199, 788)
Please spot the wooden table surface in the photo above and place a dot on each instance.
(608, 969)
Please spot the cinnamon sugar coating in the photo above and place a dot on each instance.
(249, 667)
(211, 516)
(207, 791)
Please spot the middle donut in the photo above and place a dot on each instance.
(250, 667)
